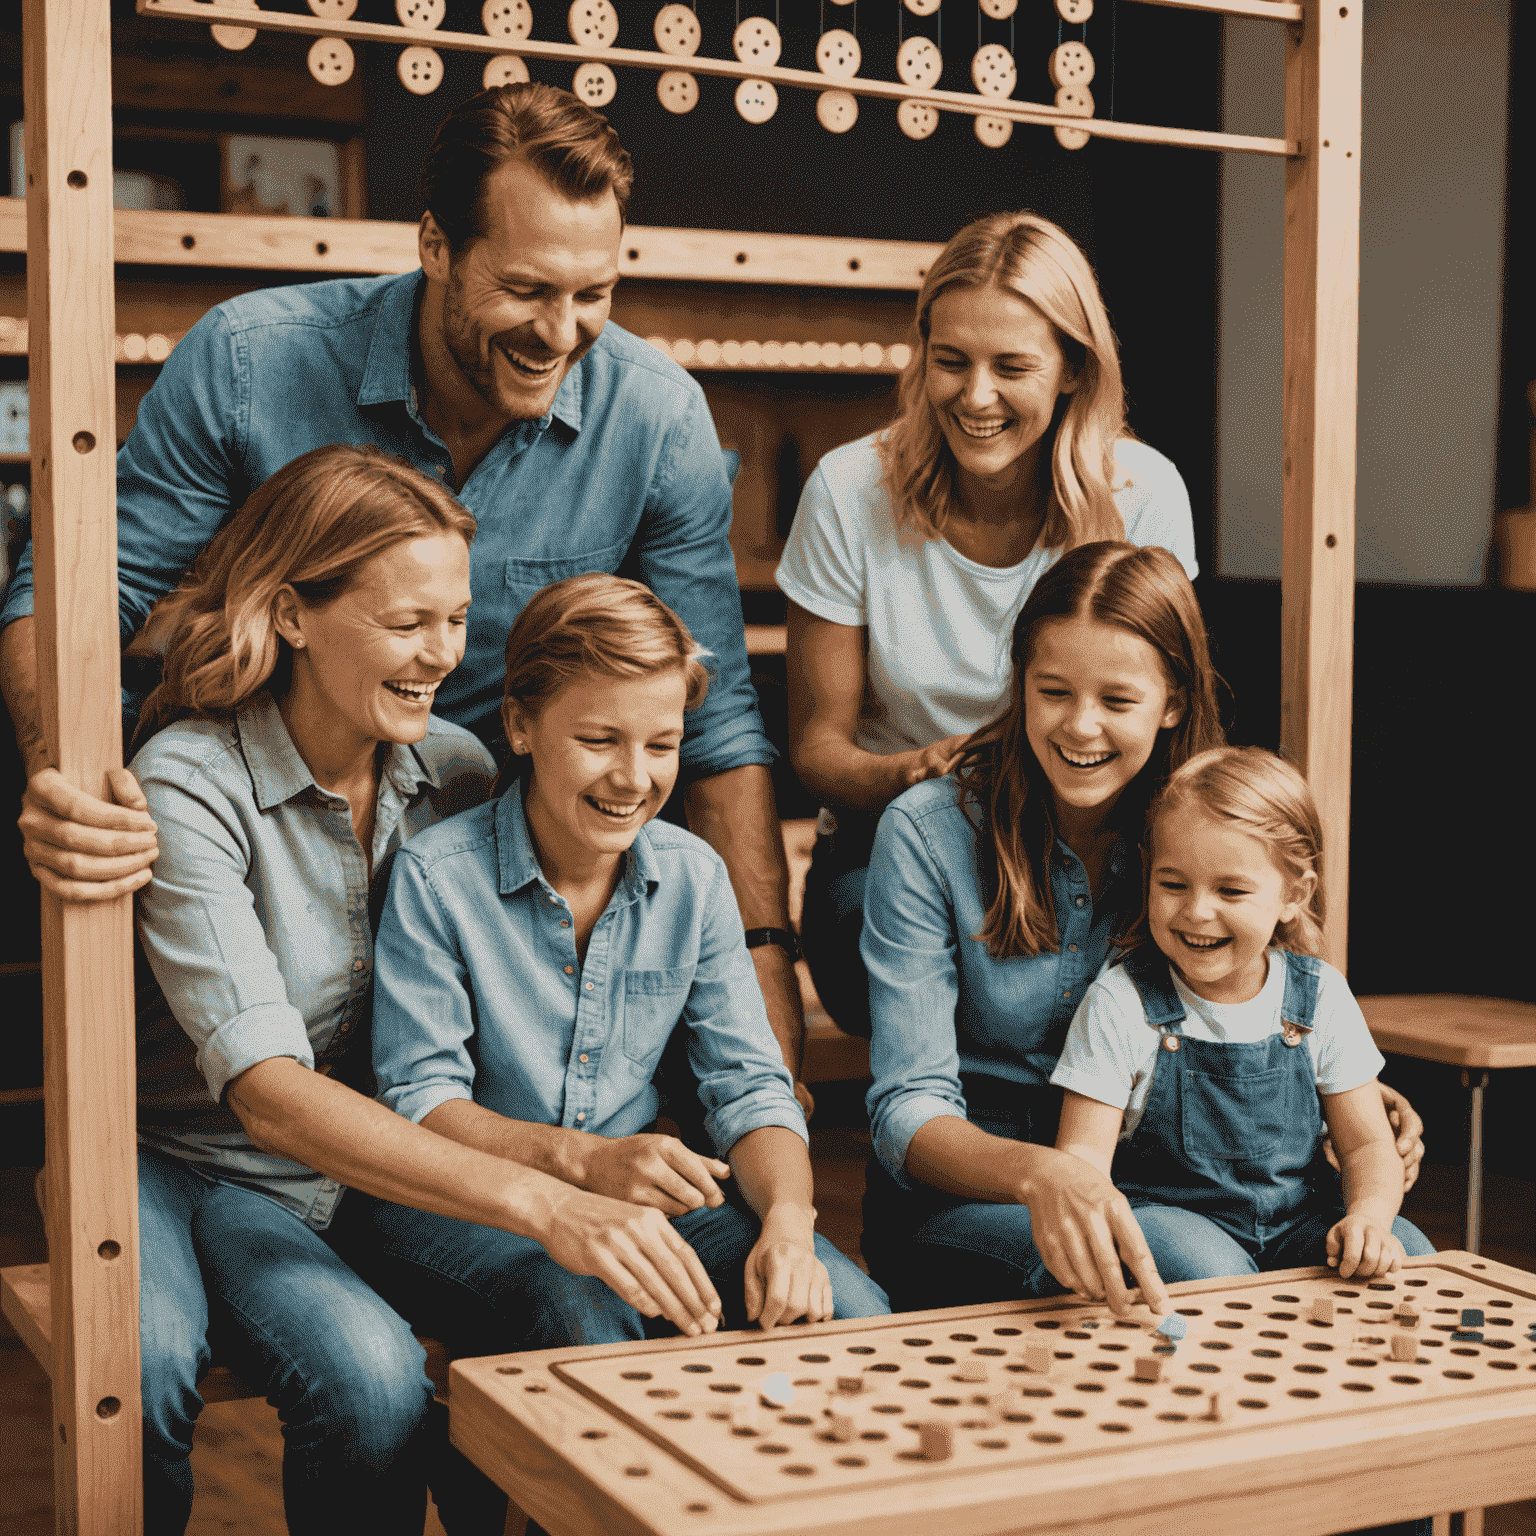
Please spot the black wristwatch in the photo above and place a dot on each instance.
(780, 936)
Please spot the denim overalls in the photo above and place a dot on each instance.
(1232, 1131)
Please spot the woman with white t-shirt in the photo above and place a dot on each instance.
(915, 547)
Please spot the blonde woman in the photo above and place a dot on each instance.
(295, 750)
(914, 548)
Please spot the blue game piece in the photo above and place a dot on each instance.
(1471, 1317)
(1470, 1336)
(1172, 1327)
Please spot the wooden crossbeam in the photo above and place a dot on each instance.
(88, 1034)
(1322, 326)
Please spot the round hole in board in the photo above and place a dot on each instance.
(945, 1402)
(1273, 1333)
(1190, 1312)
(741, 258)
(1228, 1322)
(1278, 1296)
(1263, 1376)
(798, 1470)
(1252, 1402)
(1408, 1381)
(78, 179)
(1266, 1354)
(107, 1408)
(1381, 1285)
(699, 1370)
(1416, 1282)
(1071, 1335)
(1313, 1370)
(1472, 1352)
(509, 1370)
(806, 1381)
(109, 1249)
(84, 441)
(1043, 1437)
(1306, 1392)
(188, 241)
(1214, 1344)
(939, 1359)
(637, 1471)
(1331, 541)
(885, 1365)
(633, 254)
(983, 1349)
(852, 1461)
(1103, 1365)
(1172, 1418)
(1068, 1413)
(853, 264)
(535, 1386)
(321, 248)
(1367, 1364)
(1009, 1333)
(773, 1450)
(1318, 1345)
(1118, 1349)
(682, 1413)
(661, 1392)
(1349, 1295)
(1002, 1445)
(816, 1359)
(1239, 1306)
(887, 1408)
(1450, 1293)
(917, 1343)
(874, 1434)
(1047, 1322)
(697, 1508)
(1205, 1367)
(1091, 1386)
(1130, 1402)
(1187, 1392)
(1503, 1365)
(861, 1349)
(1479, 1266)
(1358, 1386)
(917, 1384)
(963, 1338)
(1496, 1302)
(795, 1418)
(1458, 1375)
(1020, 1418)
(1115, 1429)
(722, 1386)
(638, 1375)
(751, 1360)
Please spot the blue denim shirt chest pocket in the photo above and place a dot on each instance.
(1231, 1130)
(525, 577)
(652, 1002)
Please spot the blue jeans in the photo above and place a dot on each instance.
(487, 1292)
(1188, 1246)
(223, 1267)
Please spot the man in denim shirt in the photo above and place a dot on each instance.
(577, 446)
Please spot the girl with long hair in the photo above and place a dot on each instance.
(534, 959)
(1207, 1064)
(995, 895)
(914, 548)
(293, 750)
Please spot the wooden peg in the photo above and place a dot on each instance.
(1037, 1357)
(850, 1385)
(971, 1370)
(936, 1440)
(1322, 1309)
(1404, 1347)
(1148, 1368)
(1221, 1407)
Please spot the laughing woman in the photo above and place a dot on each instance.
(914, 548)
(294, 751)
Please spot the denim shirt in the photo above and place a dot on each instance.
(481, 995)
(939, 1003)
(256, 926)
(624, 474)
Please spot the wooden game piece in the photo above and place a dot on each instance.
(921, 7)
(1037, 1357)
(594, 84)
(756, 100)
(776, 1391)
(1148, 1368)
(236, 38)
(1072, 64)
(842, 1427)
(420, 70)
(757, 41)
(919, 62)
(1220, 1406)
(993, 71)
(936, 1440)
(592, 23)
(971, 1370)
(1471, 1317)
(1173, 1327)
(421, 15)
(1407, 1313)
(1322, 1309)
(676, 29)
(509, 19)
(917, 119)
(851, 1386)
(994, 132)
(837, 111)
(745, 1415)
(838, 54)
(331, 61)
(1404, 1347)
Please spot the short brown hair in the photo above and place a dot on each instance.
(552, 130)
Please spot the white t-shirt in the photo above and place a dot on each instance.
(939, 624)
(1111, 1049)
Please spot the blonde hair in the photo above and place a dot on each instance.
(1145, 592)
(1036, 259)
(594, 624)
(1264, 796)
(312, 526)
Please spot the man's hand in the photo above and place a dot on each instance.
(637, 1253)
(935, 760)
(1407, 1127)
(785, 1281)
(651, 1170)
(1085, 1229)
(83, 849)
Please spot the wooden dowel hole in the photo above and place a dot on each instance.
(188, 241)
(109, 1249)
(107, 1408)
(321, 248)
(84, 442)
(1330, 541)
(77, 179)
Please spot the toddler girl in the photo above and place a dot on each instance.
(1206, 1062)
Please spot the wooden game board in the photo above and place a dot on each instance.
(1319, 1429)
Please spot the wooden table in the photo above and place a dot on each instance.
(1319, 1429)
(1477, 1034)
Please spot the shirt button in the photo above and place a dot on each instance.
(581, 1114)
(1067, 993)
(589, 986)
(1081, 900)
(570, 970)
(1073, 948)
(565, 922)
(357, 965)
(582, 1057)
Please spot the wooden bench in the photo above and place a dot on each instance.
(1478, 1034)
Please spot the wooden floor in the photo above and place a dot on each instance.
(238, 1451)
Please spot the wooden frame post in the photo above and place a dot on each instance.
(1322, 326)
(88, 1031)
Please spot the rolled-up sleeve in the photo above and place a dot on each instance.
(423, 1013)
(743, 1082)
(178, 475)
(203, 938)
(684, 557)
(909, 948)
(822, 569)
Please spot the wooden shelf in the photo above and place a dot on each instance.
(245, 243)
(15, 458)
